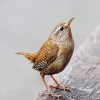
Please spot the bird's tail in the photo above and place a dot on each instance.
(29, 56)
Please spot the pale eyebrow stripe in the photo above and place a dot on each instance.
(57, 29)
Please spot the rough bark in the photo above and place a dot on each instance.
(83, 72)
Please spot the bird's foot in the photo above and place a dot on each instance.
(57, 95)
(65, 88)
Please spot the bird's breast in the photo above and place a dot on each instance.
(61, 62)
(64, 56)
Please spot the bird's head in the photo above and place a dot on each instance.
(62, 31)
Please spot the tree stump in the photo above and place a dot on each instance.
(83, 72)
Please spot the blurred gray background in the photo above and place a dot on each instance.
(25, 25)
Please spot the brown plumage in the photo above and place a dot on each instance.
(54, 55)
(30, 56)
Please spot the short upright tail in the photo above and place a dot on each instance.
(30, 56)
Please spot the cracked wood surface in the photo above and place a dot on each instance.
(84, 75)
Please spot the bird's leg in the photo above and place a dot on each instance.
(48, 89)
(58, 86)
(47, 86)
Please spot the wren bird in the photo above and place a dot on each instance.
(54, 55)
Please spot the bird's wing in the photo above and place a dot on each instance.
(47, 54)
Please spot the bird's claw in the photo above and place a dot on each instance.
(57, 95)
(65, 88)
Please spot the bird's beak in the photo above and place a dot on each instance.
(67, 24)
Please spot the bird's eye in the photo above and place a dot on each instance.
(61, 29)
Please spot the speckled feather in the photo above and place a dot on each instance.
(46, 55)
